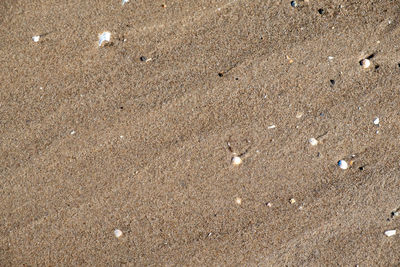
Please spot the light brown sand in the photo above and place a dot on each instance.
(168, 183)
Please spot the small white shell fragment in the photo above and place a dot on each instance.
(36, 38)
(330, 57)
(292, 201)
(272, 126)
(365, 63)
(390, 232)
(73, 132)
(117, 233)
(104, 37)
(376, 121)
(313, 141)
(343, 164)
(236, 160)
(124, 1)
(238, 200)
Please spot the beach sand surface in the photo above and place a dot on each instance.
(94, 139)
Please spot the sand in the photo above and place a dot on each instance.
(94, 140)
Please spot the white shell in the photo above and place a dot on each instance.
(236, 160)
(376, 121)
(104, 37)
(272, 126)
(390, 232)
(124, 1)
(313, 141)
(365, 63)
(36, 38)
(238, 200)
(343, 164)
(117, 233)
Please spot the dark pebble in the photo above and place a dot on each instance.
(142, 58)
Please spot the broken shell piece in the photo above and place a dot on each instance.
(343, 164)
(104, 37)
(124, 1)
(117, 233)
(236, 160)
(365, 63)
(272, 126)
(36, 38)
(313, 141)
(292, 201)
(376, 121)
(390, 232)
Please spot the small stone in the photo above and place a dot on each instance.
(117, 233)
(73, 132)
(376, 121)
(343, 164)
(293, 4)
(390, 232)
(292, 201)
(236, 160)
(143, 58)
(313, 141)
(365, 63)
(36, 38)
(269, 204)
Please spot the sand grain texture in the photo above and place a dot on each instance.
(168, 183)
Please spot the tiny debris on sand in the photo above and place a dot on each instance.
(313, 141)
(36, 38)
(343, 164)
(365, 63)
(104, 37)
(390, 232)
(236, 160)
(238, 200)
(117, 233)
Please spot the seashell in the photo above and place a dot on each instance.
(365, 63)
(313, 141)
(343, 164)
(390, 232)
(236, 160)
(117, 233)
(36, 38)
(104, 37)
